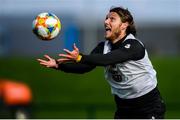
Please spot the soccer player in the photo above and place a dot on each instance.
(128, 69)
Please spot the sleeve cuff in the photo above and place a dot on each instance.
(79, 58)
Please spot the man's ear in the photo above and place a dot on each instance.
(124, 25)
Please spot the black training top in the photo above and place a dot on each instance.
(119, 53)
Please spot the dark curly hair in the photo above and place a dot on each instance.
(125, 16)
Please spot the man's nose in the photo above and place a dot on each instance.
(106, 21)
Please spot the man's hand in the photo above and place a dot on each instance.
(70, 56)
(50, 63)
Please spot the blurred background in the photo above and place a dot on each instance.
(55, 94)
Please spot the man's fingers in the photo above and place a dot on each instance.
(63, 55)
(67, 51)
(63, 60)
(42, 63)
(40, 60)
(66, 56)
(47, 56)
(75, 48)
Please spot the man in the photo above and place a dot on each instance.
(128, 69)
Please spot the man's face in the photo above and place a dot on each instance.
(112, 26)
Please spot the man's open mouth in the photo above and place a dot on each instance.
(107, 28)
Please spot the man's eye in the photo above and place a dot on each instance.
(112, 18)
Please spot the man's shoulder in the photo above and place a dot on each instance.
(134, 42)
(99, 47)
(101, 43)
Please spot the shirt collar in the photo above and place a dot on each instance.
(116, 45)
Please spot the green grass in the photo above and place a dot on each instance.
(63, 95)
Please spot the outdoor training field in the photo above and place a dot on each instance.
(63, 95)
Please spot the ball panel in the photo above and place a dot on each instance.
(42, 31)
(43, 14)
(50, 29)
(34, 23)
(54, 33)
(51, 22)
(59, 25)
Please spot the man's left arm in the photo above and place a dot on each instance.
(129, 50)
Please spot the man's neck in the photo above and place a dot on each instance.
(119, 38)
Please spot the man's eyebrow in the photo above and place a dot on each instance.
(113, 14)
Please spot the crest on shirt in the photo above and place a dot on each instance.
(127, 46)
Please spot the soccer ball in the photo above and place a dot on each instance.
(46, 26)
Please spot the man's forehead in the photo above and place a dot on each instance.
(112, 14)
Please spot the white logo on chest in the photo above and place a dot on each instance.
(127, 46)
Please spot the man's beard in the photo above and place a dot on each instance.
(114, 35)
